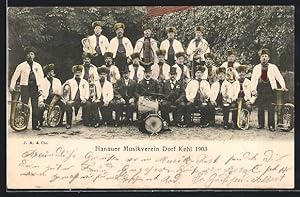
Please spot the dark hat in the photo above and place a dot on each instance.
(221, 70)
(200, 68)
(209, 55)
(171, 29)
(173, 70)
(147, 26)
(103, 69)
(161, 52)
(30, 49)
(108, 54)
(125, 70)
(200, 28)
(180, 54)
(96, 23)
(47, 68)
(231, 52)
(119, 25)
(242, 68)
(147, 66)
(264, 51)
(86, 54)
(76, 68)
(135, 55)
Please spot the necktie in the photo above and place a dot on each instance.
(31, 74)
(199, 93)
(77, 95)
(121, 48)
(86, 73)
(101, 89)
(97, 49)
(161, 76)
(197, 41)
(172, 84)
(50, 89)
(182, 71)
(135, 78)
(171, 50)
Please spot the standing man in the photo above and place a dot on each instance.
(198, 46)
(121, 47)
(114, 73)
(77, 90)
(51, 87)
(136, 71)
(171, 46)
(126, 96)
(210, 72)
(174, 94)
(197, 96)
(183, 72)
(31, 77)
(146, 46)
(89, 71)
(263, 81)
(231, 64)
(160, 70)
(98, 44)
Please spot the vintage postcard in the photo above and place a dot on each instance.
(150, 97)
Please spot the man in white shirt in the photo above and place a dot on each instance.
(98, 44)
(183, 72)
(263, 81)
(198, 46)
(31, 77)
(121, 47)
(51, 87)
(160, 70)
(231, 64)
(114, 73)
(76, 94)
(171, 46)
(197, 95)
(146, 46)
(89, 72)
(136, 71)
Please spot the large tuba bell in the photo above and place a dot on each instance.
(54, 112)
(19, 113)
(243, 115)
(285, 112)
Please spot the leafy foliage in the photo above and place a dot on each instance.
(57, 31)
(245, 28)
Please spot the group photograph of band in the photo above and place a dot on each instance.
(154, 84)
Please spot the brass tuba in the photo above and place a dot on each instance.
(19, 113)
(54, 112)
(285, 112)
(243, 115)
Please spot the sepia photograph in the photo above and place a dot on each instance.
(150, 97)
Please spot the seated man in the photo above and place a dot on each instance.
(215, 98)
(160, 70)
(104, 97)
(125, 97)
(135, 69)
(230, 89)
(245, 87)
(174, 94)
(51, 87)
(77, 91)
(197, 95)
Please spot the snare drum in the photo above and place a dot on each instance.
(147, 105)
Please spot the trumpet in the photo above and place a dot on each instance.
(243, 115)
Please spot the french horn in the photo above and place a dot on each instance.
(19, 113)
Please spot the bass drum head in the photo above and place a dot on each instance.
(153, 124)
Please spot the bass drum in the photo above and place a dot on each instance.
(153, 124)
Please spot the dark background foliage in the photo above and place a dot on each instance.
(57, 31)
